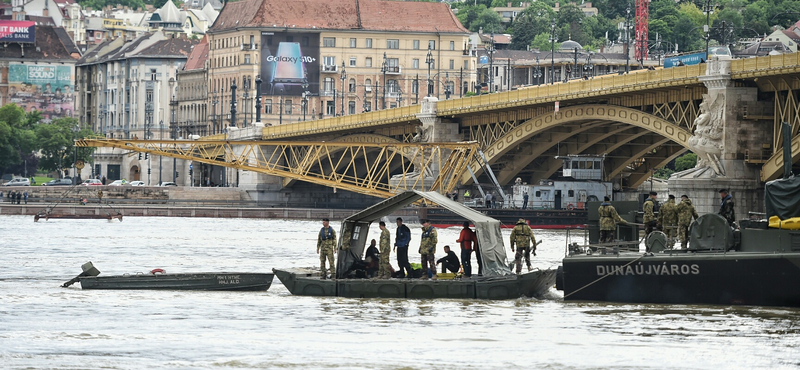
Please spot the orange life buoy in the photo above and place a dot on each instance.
(157, 271)
(570, 207)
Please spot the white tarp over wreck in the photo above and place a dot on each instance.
(353, 234)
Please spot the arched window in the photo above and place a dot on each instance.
(352, 87)
(368, 85)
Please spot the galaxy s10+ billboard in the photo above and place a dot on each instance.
(289, 63)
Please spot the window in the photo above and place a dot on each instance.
(452, 45)
(571, 194)
(327, 84)
(287, 105)
(392, 86)
(305, 41)
(328, 61)
(432, 45)
(368, 85)
(268, 106)
(368, 62)
(369, 43)
(351, 107)
(352, 85)
(538, 194)
(252, 41)
(466, 65)
(352, 42)
(415, 87)
(330, 108)
(415, 63)
(393, 65)
(451, 87)
(352, 61)
(393, 44)
(452, 64)
(416, 45)
(247, 59)
(329, 42)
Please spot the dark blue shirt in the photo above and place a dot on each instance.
(403, 238)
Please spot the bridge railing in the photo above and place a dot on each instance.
(790, 60)
(599, 85)
(342, 123)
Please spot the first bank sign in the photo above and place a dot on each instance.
(17, 31)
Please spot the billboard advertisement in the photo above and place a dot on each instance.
(43, 87)
(17, 31)
(288, 61)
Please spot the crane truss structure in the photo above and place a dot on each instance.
(642, 29)
(377, 169)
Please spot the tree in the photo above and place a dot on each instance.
(532, 21)
(16, 140)
(542, 42)
(57, 143)
(685, 162)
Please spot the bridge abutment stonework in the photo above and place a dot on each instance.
(721, 138)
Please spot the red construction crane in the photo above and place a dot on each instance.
(642, 27)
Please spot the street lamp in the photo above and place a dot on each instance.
(343, 77)
(75, 130)
(214, 103)
(707, 9)
(628, 39)
(280, 108)
(491, 61)
(258, 98)
(305, 97)
(537, 73)
(384, 68)
(246, 98)
(553, 38)
(589, 67)
(233, 103)
(447, 91)
(429, 61)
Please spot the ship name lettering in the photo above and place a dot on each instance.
(227, 279)
(663, 269)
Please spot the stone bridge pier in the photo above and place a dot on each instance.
(722, 137)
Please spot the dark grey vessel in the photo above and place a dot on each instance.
(498, 282)
(156, 280)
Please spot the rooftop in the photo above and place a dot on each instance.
(371, 15)
(48, 46)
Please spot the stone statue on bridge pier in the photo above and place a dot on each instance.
(707, 139)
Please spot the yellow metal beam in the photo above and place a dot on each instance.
(365, 168)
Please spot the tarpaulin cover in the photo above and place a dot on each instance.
(782, 198)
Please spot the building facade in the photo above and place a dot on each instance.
(321, 59)
(127, 90)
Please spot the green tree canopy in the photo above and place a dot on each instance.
(56, 141)
(16, 137)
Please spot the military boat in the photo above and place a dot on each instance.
(497, 282)
(158, 279)
(757, 263)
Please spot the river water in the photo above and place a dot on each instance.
(43, 326)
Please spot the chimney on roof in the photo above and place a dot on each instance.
(509, 4)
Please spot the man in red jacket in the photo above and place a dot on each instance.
(468, 240)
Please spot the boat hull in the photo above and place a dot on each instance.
(532, 284)
(733, 278)
(188, 281)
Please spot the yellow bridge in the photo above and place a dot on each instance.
(640, 121)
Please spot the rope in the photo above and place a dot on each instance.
(604, 276)
(49, 208)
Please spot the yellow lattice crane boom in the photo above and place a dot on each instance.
(377, 169)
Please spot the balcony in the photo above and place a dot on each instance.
(330, 69)
(393, 70)
(127, 107)
(253, 46)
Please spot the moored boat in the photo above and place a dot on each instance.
(497, 282)
(48, 216)
(158, 279)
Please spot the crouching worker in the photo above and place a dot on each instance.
(449, 262)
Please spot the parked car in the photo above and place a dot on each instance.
(19, 181)
(167, 183)
(137, 183)
(58, 182)
(92, 182)
(118, 183)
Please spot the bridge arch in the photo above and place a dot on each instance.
(592, 115)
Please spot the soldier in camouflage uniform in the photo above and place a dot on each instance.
(427, 249)
(608, 220)
(523, 238)
(649, 218)
(384, 271)
(726, 207)
(668, 217)
(685, 212)
(326, 244)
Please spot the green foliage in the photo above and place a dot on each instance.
(663, 173)
(99, 4)
(16, 138)
(56, 141)
(685, 162)
(532, 21)
(476, 17)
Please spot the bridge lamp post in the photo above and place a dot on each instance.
(258, 98)
(589, 67)
(553, 38)
(364, 102)
(246, 98)
(343, 77)
(447, 91)
(491, 62)
(280, 108)
(174, 125)
(429, 61)
(305, 98)
(75, 130)
(233, 103)
(537, 73)
(384, 69)
(628, 25)
(708, 9)
(214, 103)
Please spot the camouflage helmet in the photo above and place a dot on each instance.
(521, 221)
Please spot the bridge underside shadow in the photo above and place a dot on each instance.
(635, 144)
